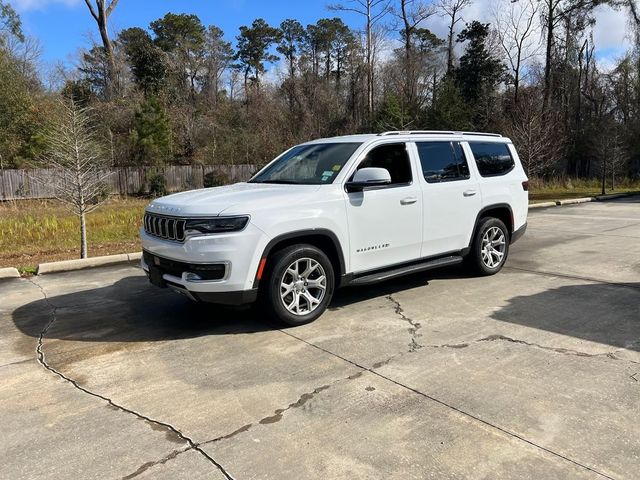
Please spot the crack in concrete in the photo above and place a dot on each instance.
(17, 362)
(563, 351)
(170, 429)
(413, 328)
(452, 407)
(449, 345)
(146, 466)
(278, 414)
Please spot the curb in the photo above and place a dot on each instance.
(9, 272)
(611, 196)
(533, 206)
(81, 264)
(575, 201)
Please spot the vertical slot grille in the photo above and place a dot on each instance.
(166, 228)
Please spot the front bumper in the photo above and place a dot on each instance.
(193, 288)
(175, 264)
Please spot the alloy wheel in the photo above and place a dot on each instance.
(303, 286)
(493, 247)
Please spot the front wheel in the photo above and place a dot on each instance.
(490, 247)
(300, 284)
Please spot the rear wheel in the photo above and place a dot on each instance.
(490, 247)
(300, 284)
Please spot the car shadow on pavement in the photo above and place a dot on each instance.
(350, 295)
(131, 310)
(598, 312)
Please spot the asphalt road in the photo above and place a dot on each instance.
(532, 373)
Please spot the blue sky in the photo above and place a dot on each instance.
(65, 25)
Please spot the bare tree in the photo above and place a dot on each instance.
(101, 12)
(78, 162)
(27, 54)
(516, 27)
(536, 135)
(452, 9)
(556, 13)
(412, 14)
(373, 11)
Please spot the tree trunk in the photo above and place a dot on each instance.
(548, 55)
(101, 15)
(516, 78)
(604, 174)
(450, 44)
(410, 87)
(83, 236)
(108, 50)
(369, 66)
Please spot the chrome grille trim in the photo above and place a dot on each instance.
(167, 228)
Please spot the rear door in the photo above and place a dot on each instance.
(501, 177)
(385, 222)
(451, 197)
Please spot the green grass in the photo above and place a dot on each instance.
(34, 231)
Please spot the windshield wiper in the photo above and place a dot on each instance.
(281, 182)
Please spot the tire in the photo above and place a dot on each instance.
(288, 296)
(489, 261)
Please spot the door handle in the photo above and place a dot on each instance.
(408, 200)
(469, 193)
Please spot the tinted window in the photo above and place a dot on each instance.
(492, 158)
(442, 161)
(315, 164)
(394, 158)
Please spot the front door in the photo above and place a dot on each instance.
(385, 222)
(451, 197)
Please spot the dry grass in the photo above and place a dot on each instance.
(545, 190)
(35, 231)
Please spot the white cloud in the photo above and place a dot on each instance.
(610, 33)
(29, 5)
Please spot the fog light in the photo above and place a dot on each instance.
(191, 277)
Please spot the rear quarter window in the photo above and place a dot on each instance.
(492, 159)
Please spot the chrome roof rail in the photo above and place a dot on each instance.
(437, 132)
(481, 134)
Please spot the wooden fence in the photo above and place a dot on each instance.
(23, 184)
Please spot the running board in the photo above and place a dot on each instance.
(413, 268)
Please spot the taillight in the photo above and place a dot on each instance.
(525, 185)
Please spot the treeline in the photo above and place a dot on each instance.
(177, 91)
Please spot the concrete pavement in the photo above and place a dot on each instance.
(532, 373)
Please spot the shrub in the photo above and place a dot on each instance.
(215, 179)
(157, 185)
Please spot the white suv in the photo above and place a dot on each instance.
(350, 210)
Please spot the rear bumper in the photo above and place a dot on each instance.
(515, 236)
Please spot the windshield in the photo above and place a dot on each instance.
(315, 164)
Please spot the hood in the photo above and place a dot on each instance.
(214, 201)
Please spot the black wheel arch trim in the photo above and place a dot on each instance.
(322, 232)
(480, 215)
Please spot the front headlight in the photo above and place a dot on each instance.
(215, 225)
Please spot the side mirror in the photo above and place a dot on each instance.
(368, 177)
